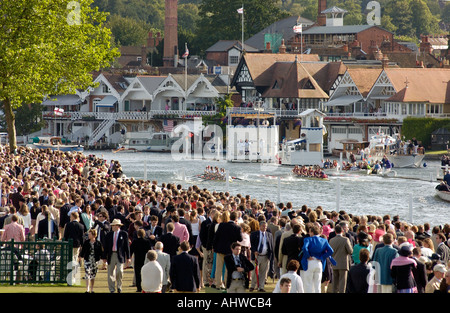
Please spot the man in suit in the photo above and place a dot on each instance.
(238, 267)
(154, 232)
(203, 235)
(442, 249)
(74, 230)
(226, 234)
(293, 244)
(164, 260)
(345, 232)
(357, 280)
(47, 228)
(261, 245)
(117, 254)
(139, 248)
(342, 254)
(185, 271)
(282, 258)
(170, 241)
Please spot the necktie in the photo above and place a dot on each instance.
(261, 244)
(115, 242)
(237, 261)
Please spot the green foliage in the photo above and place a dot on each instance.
(422, 127)
(127, 31)
(49, 47)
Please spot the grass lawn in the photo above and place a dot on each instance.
(101, 285)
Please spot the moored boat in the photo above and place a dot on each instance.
(55, 143)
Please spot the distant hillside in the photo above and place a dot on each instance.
(130, 20)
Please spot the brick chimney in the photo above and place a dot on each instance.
(282, 48)
(321, 18)
(170, 55)
(385, 62)
(268, 49)
(425, 45)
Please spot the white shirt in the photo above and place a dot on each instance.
(152, 277)
(296, 283)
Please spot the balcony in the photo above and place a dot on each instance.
(127, 115)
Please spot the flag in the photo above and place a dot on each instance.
(168, 125)
(241, 10)
(58, 111)
(186, 52)
(298, 28)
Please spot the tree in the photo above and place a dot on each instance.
(48, 48)
(222, 22)
(401, 14)
(127, 31)
(424, 23)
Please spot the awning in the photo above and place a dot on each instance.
(63, 100)
(344, 100)
(107, 101)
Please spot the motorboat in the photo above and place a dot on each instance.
(148, 141)
(55, 143)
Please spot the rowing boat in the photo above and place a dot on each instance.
(444, 195)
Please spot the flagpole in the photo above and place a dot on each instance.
(243, 29)
(185, 76)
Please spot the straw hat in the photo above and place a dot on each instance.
(117, 222)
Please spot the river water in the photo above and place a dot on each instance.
(407, 192)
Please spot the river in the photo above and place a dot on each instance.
(407, 192)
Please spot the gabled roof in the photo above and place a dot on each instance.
(423, 84)
(364, 79)
(225, 45)
(291, 79)
(346, 29)
(150, 83)
(259, 64)
(283, 27)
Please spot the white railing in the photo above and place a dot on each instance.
(128, 115)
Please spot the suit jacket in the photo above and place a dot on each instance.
(230, 265)
(164, 260)
(342, 252)
(139, 247)
(357, 278)
(204, 231)
(185, 272)
(74, 230)
(444, 252)
(43, 229)
(254, 243)
(226, 234)
(123, 247)
(171, 243)
(292, 246)
(157, 232)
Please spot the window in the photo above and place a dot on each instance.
(105, 88)
(234, 59)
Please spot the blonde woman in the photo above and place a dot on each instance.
(24, 213)
(428, 247)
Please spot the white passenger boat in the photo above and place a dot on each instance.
(149, 141)
(55, 143)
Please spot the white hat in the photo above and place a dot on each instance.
(117, 222)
